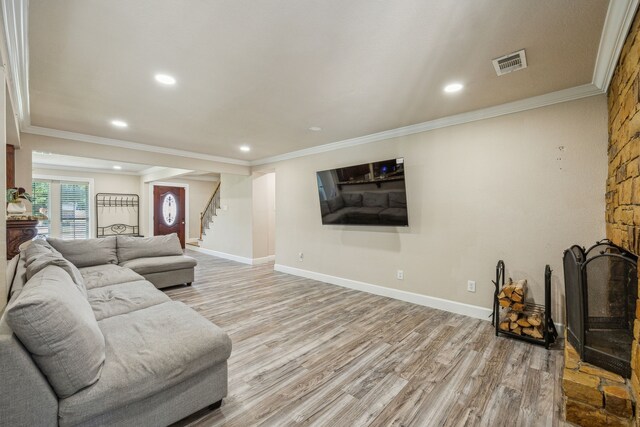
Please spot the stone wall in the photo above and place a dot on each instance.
(623, 182)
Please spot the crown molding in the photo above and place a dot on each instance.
(81, 169)
(15, 20)
(616, 27)
(564, 95)
(74, 136)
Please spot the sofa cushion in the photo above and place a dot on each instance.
(398, 199)
(87, 252)
(38, 264)
(375, 200)
(123, 298)
(339, 217)
(352, 200)
(394, 216)
(98, 276)
(336, 203)
(324, 208)
(160, 264)
(38, 248)
(148, 351)
(56, 324)
(129, 248)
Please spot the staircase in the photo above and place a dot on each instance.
(206, 216)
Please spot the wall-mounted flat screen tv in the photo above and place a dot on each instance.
(367, 194)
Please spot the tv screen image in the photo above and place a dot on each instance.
(367, 194)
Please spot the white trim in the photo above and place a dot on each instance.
(152, 184)
(474, 311)
(74, 136)
(263, 260)
(564, 95)
(614, 33)
(90, 206)
(80, 169)
(236, 258)
(15, 17)
(231, 257)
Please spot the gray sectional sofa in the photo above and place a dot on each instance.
(97, 344)
(381, 208)
(159, 258)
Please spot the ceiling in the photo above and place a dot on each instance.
(50, 160)
(41, 160)
(261, 73)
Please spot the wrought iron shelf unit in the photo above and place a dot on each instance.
(549, 332)
(120, 203)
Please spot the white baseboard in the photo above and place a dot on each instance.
(232, 257)
(427, 301)
(264, 260)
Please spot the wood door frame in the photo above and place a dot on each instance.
(151, 207)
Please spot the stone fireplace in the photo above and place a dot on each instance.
(596, 396)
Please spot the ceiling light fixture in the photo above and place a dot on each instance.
(245, 148)
(119, 123)
(453, 87)
(315, 128)
(165, 79)
(117, 167)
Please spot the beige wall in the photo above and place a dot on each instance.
(521, 187)
(4, 99)
(103, 183)
(231, 232)
(263, 201)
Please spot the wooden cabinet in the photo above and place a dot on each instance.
(18, 232)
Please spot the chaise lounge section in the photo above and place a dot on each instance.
(101, 345)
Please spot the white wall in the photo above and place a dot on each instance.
(231, 232)
(103, 183)
(264, 215)
(501, 188)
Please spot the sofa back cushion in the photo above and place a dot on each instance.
(375, 200)
(38, 264)
(57, 326)
(352, 200)
(336, 203)
(398, 199)
(147, 247)
(87, 252)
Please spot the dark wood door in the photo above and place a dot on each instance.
(168, 211)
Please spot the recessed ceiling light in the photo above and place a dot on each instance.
(453, 87)
(165, 79)
(119, 123)
(315, 128)
(117, 167)
(245, 148)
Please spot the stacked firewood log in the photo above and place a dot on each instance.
(517, 320)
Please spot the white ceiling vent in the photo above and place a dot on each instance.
(512, 62)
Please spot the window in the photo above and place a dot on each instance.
(40, 191)
(74, 210)
(66, 203)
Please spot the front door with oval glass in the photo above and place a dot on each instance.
(168, 211)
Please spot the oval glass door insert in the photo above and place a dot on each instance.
(169, 209)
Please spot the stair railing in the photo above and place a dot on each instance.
(206, 216)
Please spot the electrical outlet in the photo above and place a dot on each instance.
(471, 285)
(300, 256)
(400, 275)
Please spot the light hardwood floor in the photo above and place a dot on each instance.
(309, 353)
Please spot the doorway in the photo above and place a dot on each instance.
(169, 213)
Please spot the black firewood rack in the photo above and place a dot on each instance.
(549, 332)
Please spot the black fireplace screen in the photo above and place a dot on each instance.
(601, 287)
